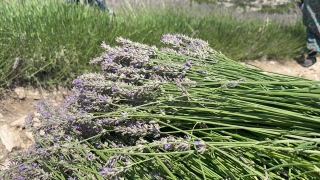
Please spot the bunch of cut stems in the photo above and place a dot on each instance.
(236, 122)
(254, 124)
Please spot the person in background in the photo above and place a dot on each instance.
(311, 19)
(100, 3)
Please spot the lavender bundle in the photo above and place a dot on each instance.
(184, 111)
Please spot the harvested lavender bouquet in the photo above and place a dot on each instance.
(184, 111)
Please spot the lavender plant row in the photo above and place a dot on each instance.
(181, 112)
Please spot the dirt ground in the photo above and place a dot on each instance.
(288, 67)
(16, 105)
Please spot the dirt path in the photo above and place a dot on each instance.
(289, 67)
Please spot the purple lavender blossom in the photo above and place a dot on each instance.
(233, 85)
(104, 98)
(61, 158)
(55, 138)
(69, 118)
(40, 149)
(184, 90)
(114, 70)
(182, 51)
(46, 114)
(113, 88)
(111, 164)
(104, 171)
(77, 81)
(130, 93)
(29, 119)
(185, 65)
(167, 146)
(121, 146)
(136, 65)
(22, 167)
(203, 56)
(189, 62)
(109, 59)
(38, 107)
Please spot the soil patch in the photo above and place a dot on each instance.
(290, 67)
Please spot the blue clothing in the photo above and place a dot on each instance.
(313, 42)
(311, 19)
(100, 3)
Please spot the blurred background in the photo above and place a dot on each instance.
(46, 43)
